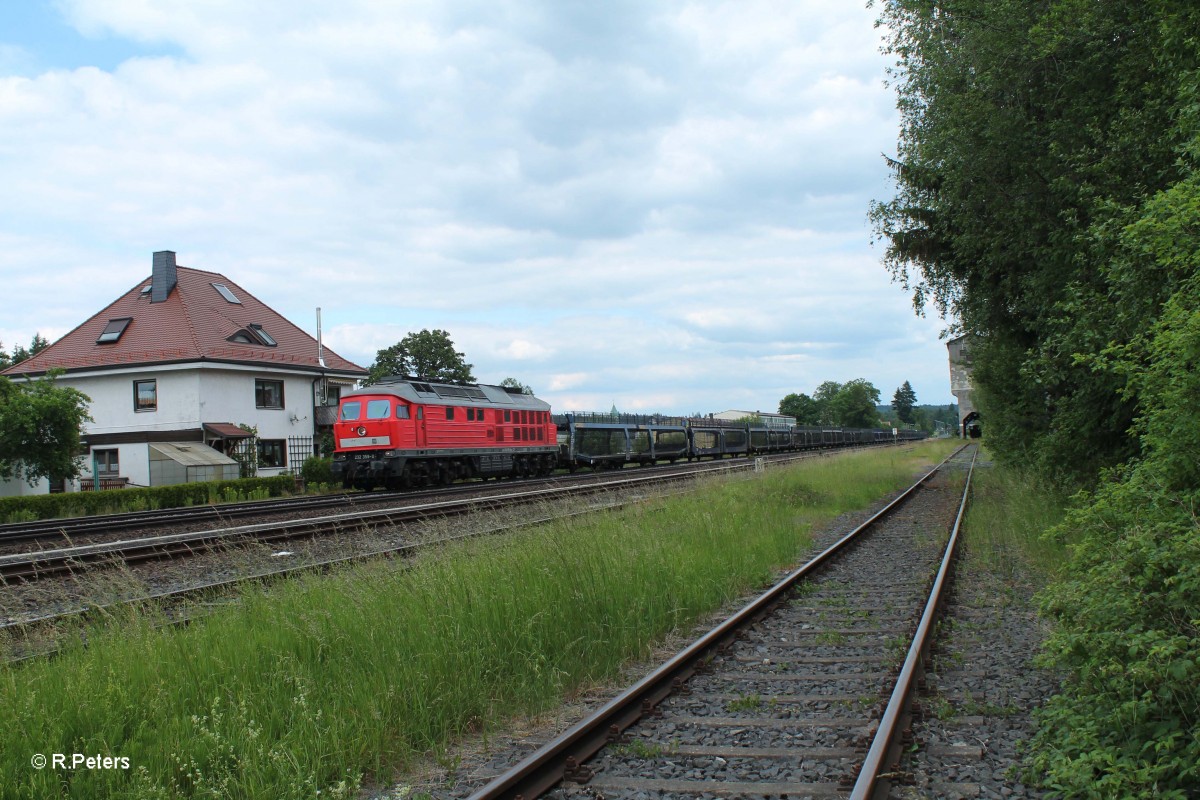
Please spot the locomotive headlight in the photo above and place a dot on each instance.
(361, 431)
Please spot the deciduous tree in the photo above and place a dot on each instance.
(854, 405)
(427, 354)
(40, 428)
(513, 383)
(802, 407)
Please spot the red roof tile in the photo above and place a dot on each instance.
(194, 323)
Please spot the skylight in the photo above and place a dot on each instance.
(228, 295)
(113, 330)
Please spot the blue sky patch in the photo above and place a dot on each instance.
(35, 37)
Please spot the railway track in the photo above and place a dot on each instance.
(54, 532)
(40, 564)
(24, 628)
(805, 692)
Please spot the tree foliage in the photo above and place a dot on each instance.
(427, 354)
(903, 402)
(40, 428)
(513, 383)
(19, 353)
(1048, 201)
(802, 407)
(854, 405)
(851, 405)
(1032, 133)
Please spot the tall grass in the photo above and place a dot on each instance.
(1008, 520)
(313, 685)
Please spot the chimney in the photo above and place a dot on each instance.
(162, 279)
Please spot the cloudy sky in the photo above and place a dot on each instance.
(657, 205)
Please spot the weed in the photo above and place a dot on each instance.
(744, 702)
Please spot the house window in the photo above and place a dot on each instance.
(107, 465)
(268, 394)
(145, 395)
(272, 453)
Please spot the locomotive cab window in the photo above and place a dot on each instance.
(401, 411)
(470, 415)
(379, 409)
(350, 410)
(449, 412)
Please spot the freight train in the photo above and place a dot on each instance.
(408, 432)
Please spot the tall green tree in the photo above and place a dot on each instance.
(1032, 133)
(427, 354)
(854, 405)
(823, 397)
(903, 402)
(802, 407)
(40, 428)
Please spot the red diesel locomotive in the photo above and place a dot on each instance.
(406, 432)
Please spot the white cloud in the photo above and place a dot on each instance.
(617, 203)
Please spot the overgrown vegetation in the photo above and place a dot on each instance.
(1048, 200)
(329, 680)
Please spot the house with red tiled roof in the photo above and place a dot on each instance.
(176, 366)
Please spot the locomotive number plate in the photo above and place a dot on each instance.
(367, 441)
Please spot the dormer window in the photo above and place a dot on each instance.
(253, 334)
(262, 335)
(113, 330)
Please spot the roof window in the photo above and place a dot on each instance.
(228, 295)
(253, 334)
(113, 330)
(262, 335)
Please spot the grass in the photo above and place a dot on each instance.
(321, 683)
(1005, 523)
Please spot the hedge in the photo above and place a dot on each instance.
(112, 501)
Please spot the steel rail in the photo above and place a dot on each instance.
(48, 563)
(104, 523)
(564, 757)
(66, 528)
(16, 627)
(884, 751)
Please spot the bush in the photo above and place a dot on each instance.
(115, 501)
(1127, 723)
(317, 470)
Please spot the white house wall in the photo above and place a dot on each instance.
(19, 488)
(189, 395)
